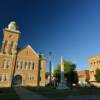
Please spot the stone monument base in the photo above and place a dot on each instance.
(62, 86)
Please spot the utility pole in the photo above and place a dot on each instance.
(39, 68)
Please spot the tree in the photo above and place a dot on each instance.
(47, 74)
(69, 72)
(97, 75)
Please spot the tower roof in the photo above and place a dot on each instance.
(12, 26)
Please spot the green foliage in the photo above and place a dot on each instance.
(69, 72)
(47, 74)
(97, 75)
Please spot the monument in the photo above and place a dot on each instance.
(62, 84)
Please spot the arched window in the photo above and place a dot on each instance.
(25, 65)
(29, 66)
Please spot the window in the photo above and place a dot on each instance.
(97, 62)
(5, 43)
(8, 64)
(5, 78)
(33, 65)
(25, 65)
(32, 78)
(4, 65)
(12, 43)
(0, 78)
(27, 52)
(29, 77)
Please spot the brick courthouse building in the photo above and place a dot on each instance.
(19, 66)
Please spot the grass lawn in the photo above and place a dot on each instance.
(50, 92)
(8, 94)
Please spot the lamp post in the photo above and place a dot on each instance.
(50, 54)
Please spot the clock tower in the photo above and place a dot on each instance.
(10, 40)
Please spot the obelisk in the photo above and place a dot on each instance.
(62, 84)
(62, 70)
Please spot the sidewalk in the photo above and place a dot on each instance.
(25, 94)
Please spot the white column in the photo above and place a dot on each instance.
(62, 84)
(52, 68)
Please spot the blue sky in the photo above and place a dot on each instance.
(68, 28)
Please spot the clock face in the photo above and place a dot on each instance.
(10, 36)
